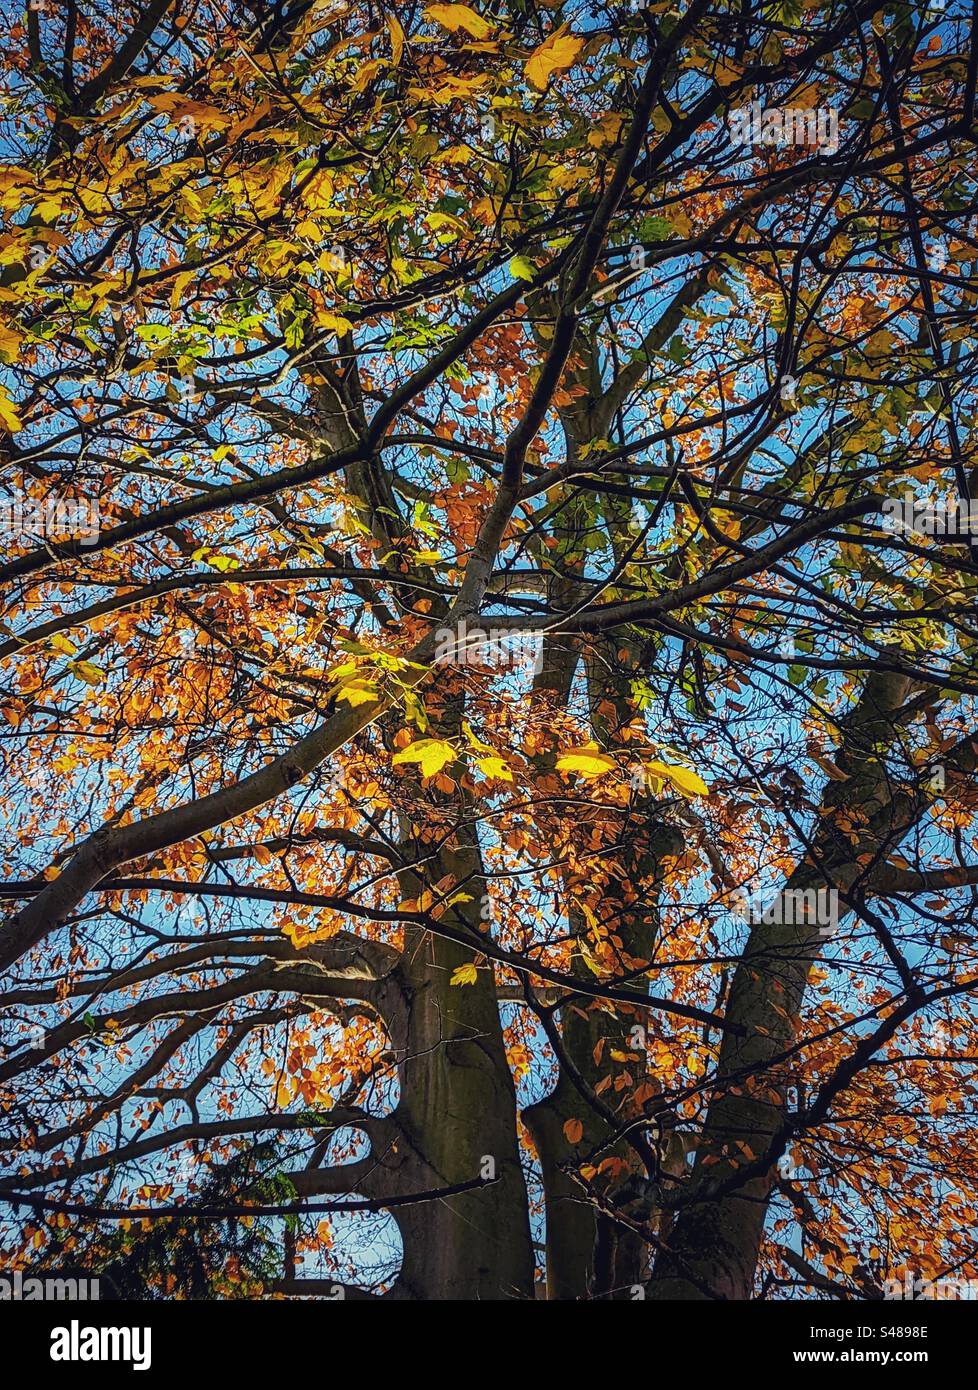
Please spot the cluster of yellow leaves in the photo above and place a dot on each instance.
(588, 762)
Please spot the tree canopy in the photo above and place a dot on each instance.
(487, 700)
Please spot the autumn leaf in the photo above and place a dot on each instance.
(431, 753)
(178, 107)
(555, 54)
(829, 767)
(725, 74)
(334, 323)
(268, 302)
(589, 958)
(352, 685)
(689, 783)
(397, 38)
(456, 17)
(495, 767)
(10, 342)
(473, 739)
(606, 130)
(356, 691)
(9, 418)
(586, 761)
(223, 563)
(87, 671)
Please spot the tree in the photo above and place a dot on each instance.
(489, 642)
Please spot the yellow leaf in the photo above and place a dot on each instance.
(555, 54)
(356, 691)
(223, 563)
(464, 975)
(397, 38)
(455, 17)
(587, 761)
(573, 1131)
(495, 767)
(451, 88)
(606, 130)
(432, 753)
(725, 521)
(9, 418)
(180, 284)
(474, 740)
(178, 107)
(262, 854)
(589, 958)
(681, 778)
(87, 671)
(365, 74)
(10, 342)
(724, 74)
(334, 323)
(439, 221)
(455, 154)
